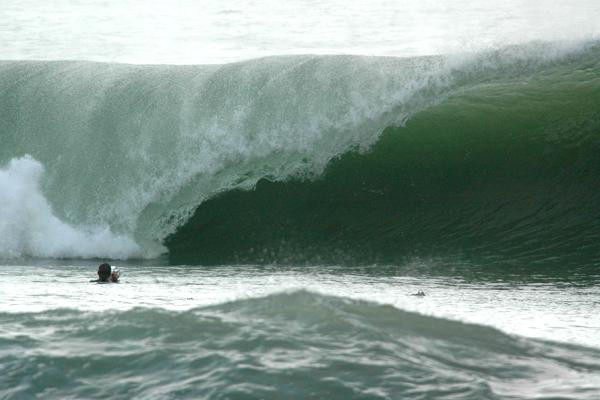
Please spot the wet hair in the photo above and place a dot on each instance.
(104, 271)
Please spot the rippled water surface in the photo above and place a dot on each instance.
(540, 307)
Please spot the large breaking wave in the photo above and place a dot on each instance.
(494, 148)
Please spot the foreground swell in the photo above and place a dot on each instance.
(297, 345)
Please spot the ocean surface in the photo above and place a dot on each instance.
(276, 180)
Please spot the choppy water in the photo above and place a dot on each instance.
(305, 332)
(565, 307)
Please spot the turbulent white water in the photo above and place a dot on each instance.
(193, 32)
(28, 226)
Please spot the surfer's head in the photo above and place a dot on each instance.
(104, 271)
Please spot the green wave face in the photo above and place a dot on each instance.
(505, 170)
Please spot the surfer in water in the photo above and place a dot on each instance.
(106, 273)
(420, 293)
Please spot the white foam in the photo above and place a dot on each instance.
(28, 226)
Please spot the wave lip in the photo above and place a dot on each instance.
(297, 344)
(29, 228)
